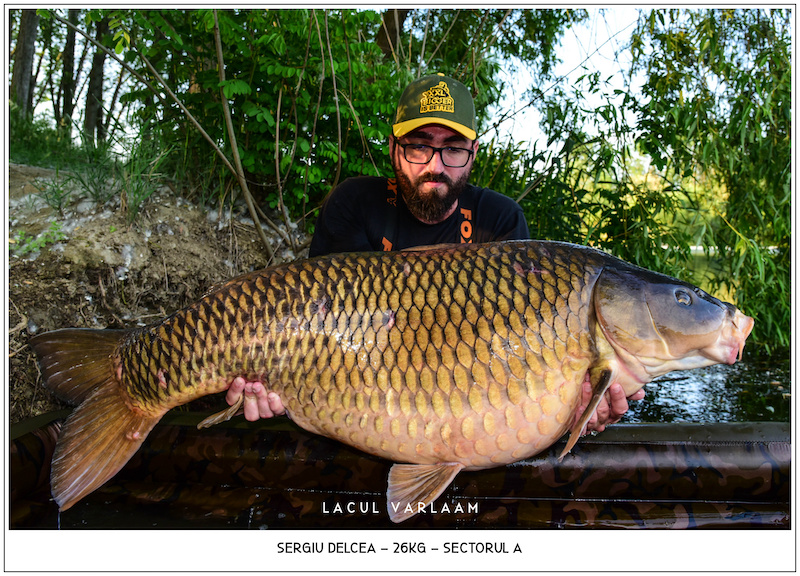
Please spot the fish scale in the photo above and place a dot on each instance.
(449, 358)
(438, 360)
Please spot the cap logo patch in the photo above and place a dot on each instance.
(437, 99)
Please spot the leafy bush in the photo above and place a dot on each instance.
(36, 142)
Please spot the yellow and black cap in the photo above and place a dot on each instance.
(435, 99)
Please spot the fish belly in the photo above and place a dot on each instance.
(447, 428)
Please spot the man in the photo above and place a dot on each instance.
(432, 146)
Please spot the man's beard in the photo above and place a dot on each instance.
(431, 207)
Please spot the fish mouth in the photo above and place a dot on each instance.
(730, 345)
(744, 325)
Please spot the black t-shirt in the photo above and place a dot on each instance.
(367, 213)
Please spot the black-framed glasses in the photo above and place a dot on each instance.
(422, 154)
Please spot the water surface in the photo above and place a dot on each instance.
(757, 390)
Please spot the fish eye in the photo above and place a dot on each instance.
(683, 298)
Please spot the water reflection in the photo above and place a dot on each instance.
(755, 390)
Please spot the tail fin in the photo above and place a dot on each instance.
(75, 361)
(104, 432)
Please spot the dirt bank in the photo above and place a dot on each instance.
(95, 270)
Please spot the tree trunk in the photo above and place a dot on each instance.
(389, 36)
(45, 41)
(12, 17)
(22, 74)
(68, 77)
(93, 115)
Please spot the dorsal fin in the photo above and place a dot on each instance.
(414, 486)
(449, 246)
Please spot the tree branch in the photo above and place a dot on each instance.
(364, 141)
(281, 205)
(186, 112)
(335, 101)
(239, 172)
(424, 41)
(444, 37)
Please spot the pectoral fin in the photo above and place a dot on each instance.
(223, 416)
(598, 389)
(414, 486)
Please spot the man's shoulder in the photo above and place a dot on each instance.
(357, 193)
(355, 198)
(356, 184)
(489, 197)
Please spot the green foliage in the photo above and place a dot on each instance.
(596, 189)
(25, 244)
(311, 93)
(95, 171)
(138, 176)
(713, 118)
(55, 192)
(717, 103)
(470, 44)
(34, 141)
(295, 134)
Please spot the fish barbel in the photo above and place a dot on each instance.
(441, 359)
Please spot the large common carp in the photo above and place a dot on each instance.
(443, 359)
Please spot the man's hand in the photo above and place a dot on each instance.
(610, 409)
(258, 403)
